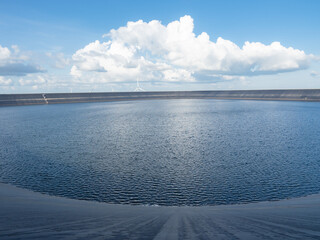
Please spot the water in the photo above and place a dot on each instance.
(166, 152)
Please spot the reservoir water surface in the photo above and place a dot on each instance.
(164, 152)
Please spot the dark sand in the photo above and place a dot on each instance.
(28, 215)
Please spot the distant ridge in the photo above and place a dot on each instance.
(55, 98)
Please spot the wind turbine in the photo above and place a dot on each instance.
(138, 88)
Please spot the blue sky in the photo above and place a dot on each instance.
(51, 46)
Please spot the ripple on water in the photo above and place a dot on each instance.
(177, 152)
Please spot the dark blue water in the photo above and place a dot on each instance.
(166, 152)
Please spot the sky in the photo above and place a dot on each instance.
(104, 46)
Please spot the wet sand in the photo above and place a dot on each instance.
(28, 215)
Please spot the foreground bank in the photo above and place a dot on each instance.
(29, 215)
(54, 98)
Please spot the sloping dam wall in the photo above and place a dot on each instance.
(53, 98)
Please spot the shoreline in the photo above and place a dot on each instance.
(30, 215)
(305, 95)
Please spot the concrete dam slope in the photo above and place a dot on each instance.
(30, 215)
(54, 98)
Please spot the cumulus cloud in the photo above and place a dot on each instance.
(315, 74)
(14, 63)
(153, 51)
(58, 60)
(32, 81)
(5, 82)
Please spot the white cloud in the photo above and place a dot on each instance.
(154, 52)
(314, 74)
(38, 80)
(5, 82)
(14, 63)
(4, 53)
(58, 60)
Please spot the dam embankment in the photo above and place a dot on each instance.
(55, 98)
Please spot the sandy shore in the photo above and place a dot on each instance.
(28, 215)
